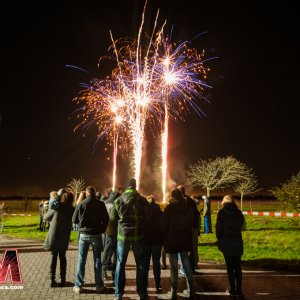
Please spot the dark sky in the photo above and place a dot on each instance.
(254, 109)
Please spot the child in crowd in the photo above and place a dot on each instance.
(55, 197)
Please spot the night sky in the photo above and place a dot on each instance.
(253, 112)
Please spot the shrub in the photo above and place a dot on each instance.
(289, 193)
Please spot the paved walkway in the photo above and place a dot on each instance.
(210, 281)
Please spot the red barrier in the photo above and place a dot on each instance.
(17, 215)
(272, 214)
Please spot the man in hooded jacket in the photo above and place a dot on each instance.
(130, 211)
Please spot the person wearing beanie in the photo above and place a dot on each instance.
(130, 210)
(132, 183)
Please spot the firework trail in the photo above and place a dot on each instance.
(115, 162)
(164, 147)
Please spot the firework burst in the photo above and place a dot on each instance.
(161, 81)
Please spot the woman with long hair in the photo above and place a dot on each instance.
(230, 222)
(80, 198)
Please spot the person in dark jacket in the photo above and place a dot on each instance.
(153, 241)
(92, 218)
(177, 229)
(110, 236)
(230, 221)
(130, 211)
(194, 257)
(58, 237)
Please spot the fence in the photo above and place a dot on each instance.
(253, 205)
(22, 205)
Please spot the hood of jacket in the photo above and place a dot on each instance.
(231, 209)
(130, 195)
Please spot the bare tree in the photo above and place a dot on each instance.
(246, 186)
(216, 173)
(76, 186)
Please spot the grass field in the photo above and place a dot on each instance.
(26, 227)
(269, 242)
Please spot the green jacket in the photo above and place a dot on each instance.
(130, 210)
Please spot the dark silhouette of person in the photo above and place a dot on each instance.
(153, 242)
(230, 222)
(177, 229)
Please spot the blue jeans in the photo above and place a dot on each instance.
(207, 224)
(138, 249)
(110, 246)
(180, 263)
(186, 266)
(85, 240)
(155, 252)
